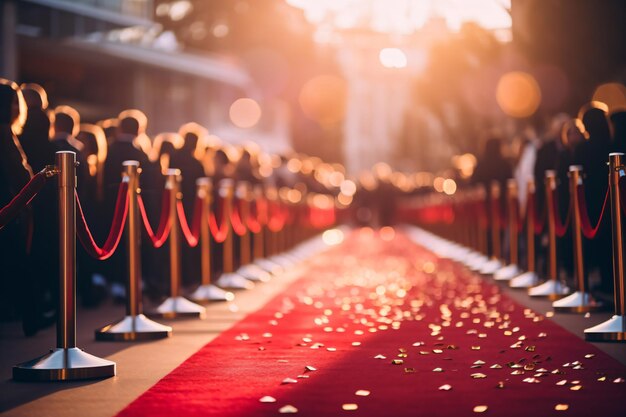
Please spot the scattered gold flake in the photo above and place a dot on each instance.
(403, 355)
(267, 335)
(302, 376)
(561, 407)
(517, 372)
(542, 335)
(437, 370)
(282, 361)
(437, 351)
(380, 357)
(500, 385)
(479, 362)
(530, 348)
(409, 370)
(424, 352)
(288, 409)
(575, 387)
(587, 315)
(242, 336)
(589, 355)
(350, 407)
(445, 387)
(416, 344)
(307, 339)
(482, 335)
(480, 408)
(362, 393)
(532, 380)
(550, 314)
(289, 381)
(402, 350)
(331, 349)
(618, 381)
(397, 362)
(602, 379)
(475, 347)
(529, 367)
(309, 368)
(496, 366)
(261, 348)
(356, 343)
(478, 376)
(267, 399)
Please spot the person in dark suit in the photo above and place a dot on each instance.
(618, 121)
(35, 134)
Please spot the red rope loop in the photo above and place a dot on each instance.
(588, 230)
(321, 218)
(192, 234)
(539, 218)
(220, 233)
(277, 216)
(22, 198)
(253, 223)
(560, 226)
(115, 233)
(239, 224)
(163, 229)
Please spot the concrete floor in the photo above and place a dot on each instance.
(141, 365)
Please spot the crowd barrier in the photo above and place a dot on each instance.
(265, 222)
(475, 219)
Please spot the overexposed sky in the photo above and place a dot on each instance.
(405, 16)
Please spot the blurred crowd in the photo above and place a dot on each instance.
(585, 140)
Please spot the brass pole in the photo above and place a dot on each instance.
(66, 325)
(258, 242)
(482, 234)
(550, 185)
(579, 270)
(205, 192)
(616, 171)
(530, 228)
(133, 236)
(226, 193)
(243, 197)
(513, 212)
(495, 226)
(173, 183)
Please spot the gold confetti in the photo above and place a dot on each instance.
(618, 381)
(478, 376)
(550, 314)
(289, 381)
(496, 366)
(331, 349)
(500, 384)
(479, 362)
(310, 368)
(530, 348)
(576, 387)
(480, 408)
(416, 344)
(602, 379)
(517, 372)
(437, 370)
(261, 348)
(589, 355)
(409, 370)
(562, 382)
(531, 380)
(445, 387)
(349, 407)
(302, 376)
(403, 355)
(561, 407)
(475, 347)
(362, 393)
(356, 343)
(267, 335)
(423, 352)
(397, 362)
(288, 409)
(437, 351)
(267, 399)
(380, 357)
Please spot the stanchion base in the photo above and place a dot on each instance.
(254, 273)
(477, 263)
(212, 292)
(551, 289)
(525, 280)
(269, 266)
(283, 260)
(179, 307)
(506, 273)
(612, 330)
(133, 328)
(64, 365)
(577, 302)
(490, 267)
(235, 282)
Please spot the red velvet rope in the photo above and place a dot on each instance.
(321, 218)
(192, 234)
(219, 232)
(253, 223)
(163, 230)
(277, 217)
(239, 224)
(560, 226)
(22, 199)
(117, 226)
(539, 219)
(588, 230)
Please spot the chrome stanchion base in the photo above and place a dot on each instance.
(269, 266)
(552, 289)
(612, 330)
(490, 267)
(64, 365)
(254, 273)
(506, 273)
(179, 307)
(234, 281)
(525, 280)
(133, 328)
(212, 292)
(283, 260)
(477, 263)
(577, 302)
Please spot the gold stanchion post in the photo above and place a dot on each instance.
(135, 325)
(247, 269)
(553, 288)
(207, 291)
(580, 301)
(494, 263)
(508, 272)
(529, 278)
(614, 329)
(175, 305)
(65, 362)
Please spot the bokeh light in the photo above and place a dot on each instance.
(332, 237)
(323, 99)
(392, 58)
(245, 113)
(518, 94)
(449, 186)
(613, 94)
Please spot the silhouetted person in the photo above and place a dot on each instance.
(35, 134)
(618, 121)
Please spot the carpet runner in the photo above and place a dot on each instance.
(379, 326)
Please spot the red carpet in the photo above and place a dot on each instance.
(442, 325)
